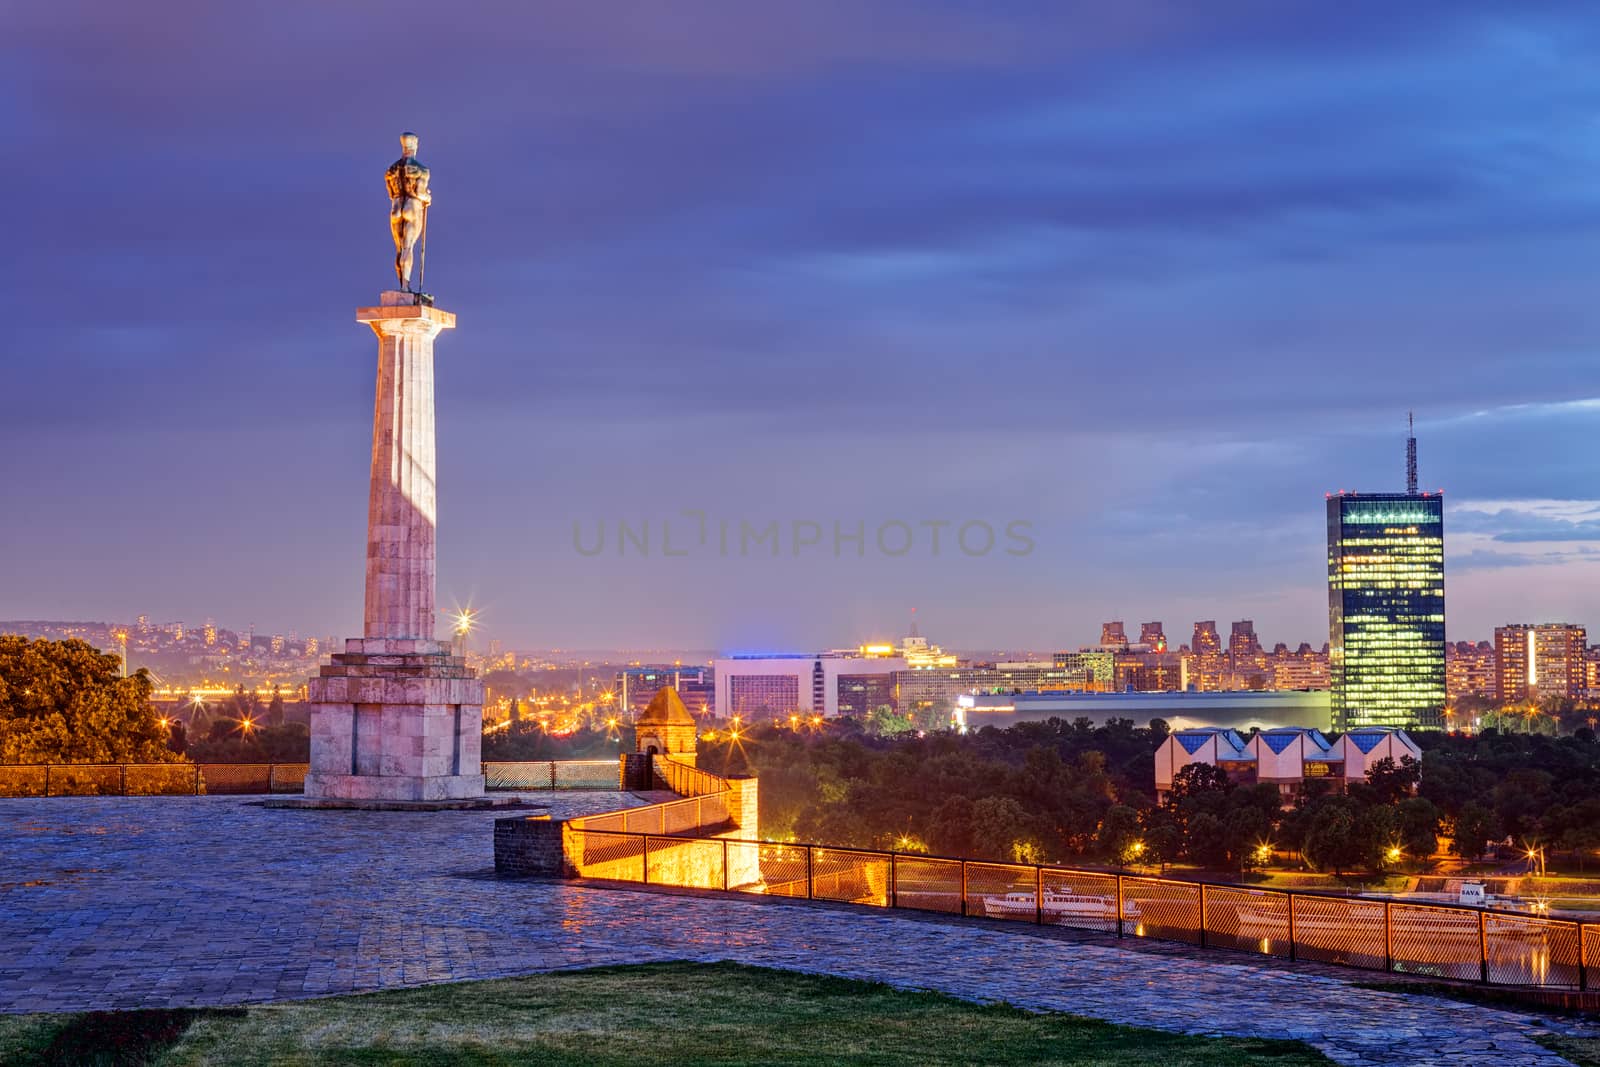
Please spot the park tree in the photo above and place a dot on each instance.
(1392, 782)
(1417, 827)
(66, 702)
(1475, 827)
(1332, 840)
(885, 721)
(1118, 834)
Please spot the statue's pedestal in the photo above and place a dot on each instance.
(395, 719)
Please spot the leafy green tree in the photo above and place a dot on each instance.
(1119, 831)
(1392, 782)
(1206, 840)
(1418, 823)
(65, 702)
(884, 721)
(1475, 827)
(1332, 840)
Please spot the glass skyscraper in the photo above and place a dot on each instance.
(1386, 609)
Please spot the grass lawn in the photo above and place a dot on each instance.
(1583, 1051)
(648, 1014)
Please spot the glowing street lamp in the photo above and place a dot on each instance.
(1393, 854)
(1263, 853)
(1537, 854)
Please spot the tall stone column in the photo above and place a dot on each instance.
(396, 718)
(402, 506)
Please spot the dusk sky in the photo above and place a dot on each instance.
(1149, 277)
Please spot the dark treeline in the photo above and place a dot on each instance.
(1061, 791)
(526, 740)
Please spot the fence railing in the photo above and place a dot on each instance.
(687, 781)
(199, 779)
(674, 817)
(1440, 940)
(149, 779)
(552, 774)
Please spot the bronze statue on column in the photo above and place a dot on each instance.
(409, 198)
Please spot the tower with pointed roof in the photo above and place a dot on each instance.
(666, 728)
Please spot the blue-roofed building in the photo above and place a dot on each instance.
(1285, 757)
(1217, 745)
(1359, 749)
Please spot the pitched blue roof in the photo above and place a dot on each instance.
(1192, 742)
(1279, 741)
(1367, 740)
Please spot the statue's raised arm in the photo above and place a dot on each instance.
(409, 197)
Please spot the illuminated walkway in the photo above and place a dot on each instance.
(121, 903)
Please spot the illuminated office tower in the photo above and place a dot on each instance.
(1206, 640)
(1386, 606)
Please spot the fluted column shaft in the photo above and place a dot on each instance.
(401, 506)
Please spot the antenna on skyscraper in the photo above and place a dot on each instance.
(1411, 453)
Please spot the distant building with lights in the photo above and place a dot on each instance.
(1537, 662)
(826, 683)
(1386, 606)
(1469, 670)
(636, 687)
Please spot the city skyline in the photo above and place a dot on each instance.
(1019, 289)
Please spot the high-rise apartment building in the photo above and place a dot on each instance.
(1242, 641)
(1152, 636)
(1113, 636)
(1386, 607)
(1469, 670)
(1206, 641)
(1535, 662)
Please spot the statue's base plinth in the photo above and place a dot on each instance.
(395, 720)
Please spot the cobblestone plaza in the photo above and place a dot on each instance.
(159, 902)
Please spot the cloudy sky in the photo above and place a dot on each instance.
(1147, 278)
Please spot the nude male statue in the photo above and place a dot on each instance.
(409, 198)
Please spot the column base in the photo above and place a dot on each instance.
(395, 722)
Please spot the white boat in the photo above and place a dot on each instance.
(1058, 905)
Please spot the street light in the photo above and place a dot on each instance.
(1393, 855)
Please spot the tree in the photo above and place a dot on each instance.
(1475, 827)
(1195, 779)
(1118, 834)
(1418, 828)
(1393, 782)
(1332, 841)
(884, 721)
(1207, 841)
(275, 709)
(65, 702)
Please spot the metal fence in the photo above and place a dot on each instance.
(199, 779)
(149, 779)
(686, 781)
(674, 817)
(553, 774)
(1440, 940)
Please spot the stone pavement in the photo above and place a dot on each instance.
(168, 901)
